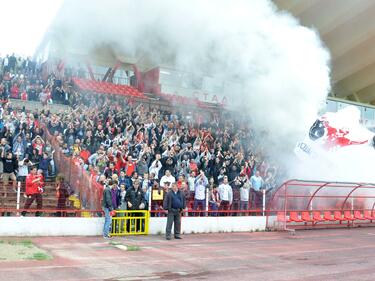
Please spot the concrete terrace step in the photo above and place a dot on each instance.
(53, 204)
(37, 106)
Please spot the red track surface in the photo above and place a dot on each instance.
(339, 254)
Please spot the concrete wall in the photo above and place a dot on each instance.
(32, 226)
(211, 224)
(37, 106)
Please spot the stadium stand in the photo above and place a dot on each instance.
(106, 87)
(106, 134)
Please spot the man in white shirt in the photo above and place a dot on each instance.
(225, 195)
(191, 183)
(156, 166)
(200, 184)
(23, 169)
(167, 178)
(257, 183)
(244, 193)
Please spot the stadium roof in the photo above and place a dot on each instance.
(347, 27)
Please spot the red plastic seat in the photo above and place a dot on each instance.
(328, 216)
(317, 216)
(367, 215)
(348, 215)
(107, 88)
(305, 216)
(293, 217)
(337, 215)
(281, 216)
(358, 215)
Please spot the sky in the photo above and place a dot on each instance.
(23, 24)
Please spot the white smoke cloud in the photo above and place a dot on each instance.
(330, 159)
(283, 67)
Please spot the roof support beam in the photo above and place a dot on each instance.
(89, 68)
(113, 71)
(367, 94)
(356, 82)
(354, 60)
(352, 33)
(332, 14)
(107, 73)
(296, 7)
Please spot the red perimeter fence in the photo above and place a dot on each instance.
(84, 185)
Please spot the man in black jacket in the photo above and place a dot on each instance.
(107, 208)
(10, 166)
(174, 203)
(135, 200)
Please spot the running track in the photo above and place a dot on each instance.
(335, 254)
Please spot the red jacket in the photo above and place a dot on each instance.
(85, 154)
(32, 187)
(24, 96)
(14, 92)
(119, 164)
(130, 168)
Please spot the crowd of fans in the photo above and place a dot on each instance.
(22, 78)
(22, 146)
(135, 146)
(213, 157)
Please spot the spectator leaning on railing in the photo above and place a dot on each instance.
(135, 200)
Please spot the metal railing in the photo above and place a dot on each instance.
(130, 223)
(49, 212)
(84, 184)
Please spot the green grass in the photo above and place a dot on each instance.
(21, 250)
(26, 243)
(39, 256)
(128, 247)
(133, 248)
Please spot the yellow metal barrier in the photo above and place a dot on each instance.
(130, 223)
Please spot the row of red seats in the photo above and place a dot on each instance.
(106, 87)
(316, 216)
